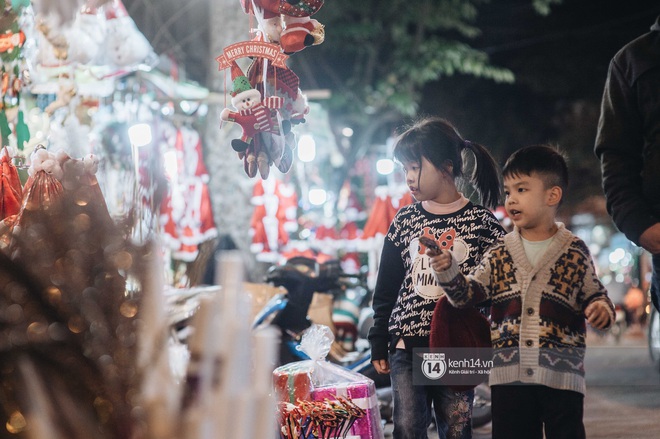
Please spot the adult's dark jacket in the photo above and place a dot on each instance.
(628, 139)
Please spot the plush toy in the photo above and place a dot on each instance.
(271, 28)
(53, 45)
(288, 22)
(292, 8)
(285, 84)
(66, 92)
(85, 37)
(252, 114)
(62, 11)
(259, 121)
(125, 44)
(300, 32)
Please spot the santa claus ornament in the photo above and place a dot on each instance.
(125, 46)
(297, 30)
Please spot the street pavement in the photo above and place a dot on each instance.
(623, 390)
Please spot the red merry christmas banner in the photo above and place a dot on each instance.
(256, 49)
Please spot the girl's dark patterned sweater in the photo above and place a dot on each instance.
(406, 288)
(538, 326)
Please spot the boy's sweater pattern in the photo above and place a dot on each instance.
(538, 328)
(407, 290)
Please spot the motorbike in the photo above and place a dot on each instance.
(302, 278)
(314, 294)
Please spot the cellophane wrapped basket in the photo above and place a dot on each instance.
(319, 399)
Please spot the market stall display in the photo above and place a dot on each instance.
(105, 207)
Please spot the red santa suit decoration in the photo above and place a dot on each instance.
(186, 213)
(11, 191)
(274, 215)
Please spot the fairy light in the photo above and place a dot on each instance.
(306, 148)
(385, 166)
(140, 134)
(317, 196)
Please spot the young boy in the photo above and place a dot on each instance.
(542, 284)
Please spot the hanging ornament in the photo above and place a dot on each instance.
(22, 131)
(252, 49)
(11, 192)
(284, 27)
(255, 116)
(5, 131)
(297, 30)
(12, 37)
(125, 46)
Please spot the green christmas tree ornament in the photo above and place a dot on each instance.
(5, 131)
(22, 132)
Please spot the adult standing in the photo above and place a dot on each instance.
(628, 145)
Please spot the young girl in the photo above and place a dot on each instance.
(432, 154)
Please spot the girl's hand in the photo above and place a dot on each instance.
(440, 261)
(597, 314)
(381, 366)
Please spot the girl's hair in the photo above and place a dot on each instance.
(439, 142)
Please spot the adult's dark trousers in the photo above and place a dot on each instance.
(655, 282)
(522, 411)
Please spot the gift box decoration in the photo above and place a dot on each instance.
(293, 382)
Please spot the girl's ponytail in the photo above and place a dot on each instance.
(485, 175)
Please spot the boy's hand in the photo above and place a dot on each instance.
(440, 260)
(381, 366)
(597, 314)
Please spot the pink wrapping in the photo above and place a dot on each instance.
(362, 394)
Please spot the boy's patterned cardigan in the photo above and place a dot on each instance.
(538, 328)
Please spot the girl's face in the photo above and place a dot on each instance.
(426, 182)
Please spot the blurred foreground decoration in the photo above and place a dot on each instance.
(74, 364)
(85, 346)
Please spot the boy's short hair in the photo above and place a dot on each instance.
(546, 161)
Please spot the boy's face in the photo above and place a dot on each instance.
(530, 205)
